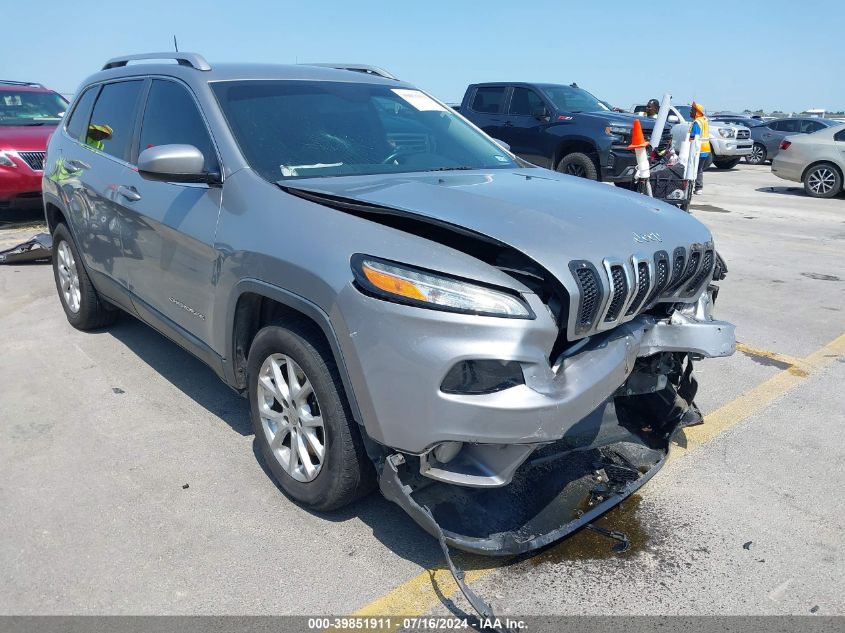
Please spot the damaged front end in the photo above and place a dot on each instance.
(547, 490)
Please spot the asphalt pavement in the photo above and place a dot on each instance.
(129, 481)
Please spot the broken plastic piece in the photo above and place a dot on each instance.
(623, 541)
(35, 249)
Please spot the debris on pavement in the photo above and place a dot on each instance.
(38, 248)
(747, 545)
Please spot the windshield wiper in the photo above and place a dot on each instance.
(458, 168)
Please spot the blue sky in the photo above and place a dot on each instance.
(727, 55)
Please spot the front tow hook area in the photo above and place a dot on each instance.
(558, 490)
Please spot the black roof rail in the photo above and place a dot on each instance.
(194, 60)
(21, 83)
(358, 68)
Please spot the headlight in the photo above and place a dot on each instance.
(620, 133)
(403, 284)
(727, 132)
(5, 160)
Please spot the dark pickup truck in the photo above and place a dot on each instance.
(557, 126)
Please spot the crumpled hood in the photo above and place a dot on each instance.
(550, 217)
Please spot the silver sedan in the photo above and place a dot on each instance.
(817, 160)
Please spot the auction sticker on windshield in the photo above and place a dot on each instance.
(419, 100)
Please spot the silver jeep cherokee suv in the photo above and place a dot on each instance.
(506, 350)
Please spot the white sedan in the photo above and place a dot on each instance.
(817, 160)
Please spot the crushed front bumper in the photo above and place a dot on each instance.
(500, 499)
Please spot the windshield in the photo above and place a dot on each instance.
(685, 112)
(306, 129)
(24, 107)
(572, 99)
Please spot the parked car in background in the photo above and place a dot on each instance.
(767, 135)
(729, 143)
(557, 126)
(817, 160)
(29, 113)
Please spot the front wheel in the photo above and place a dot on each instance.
(725, 163)
(757, 155)
(822, 181)
(578, 164)
(83, 307)
(301, 418)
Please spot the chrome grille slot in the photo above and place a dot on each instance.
(620, 293)
(643, 283)
(692, 266)
(591, 294)
(35, 160)
(678, 259)
(701, 275)
(743, 134)
(661, 281)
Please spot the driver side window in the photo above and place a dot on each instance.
(171, 117)
(524, 102)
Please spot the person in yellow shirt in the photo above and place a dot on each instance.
(700, 127)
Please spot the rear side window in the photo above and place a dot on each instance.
(785, 126)
(524, 102)
(81, 113)
(839, 136)
(112, 120)
(489, 99)
(808, 127)
(171, 116)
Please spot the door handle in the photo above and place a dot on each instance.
(508, 124)
(130, 193)
(77, 165)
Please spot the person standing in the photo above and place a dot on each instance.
(700, 127)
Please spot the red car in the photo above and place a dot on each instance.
(29, 114)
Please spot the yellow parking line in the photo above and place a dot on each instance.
(775, 356)
(423, 592)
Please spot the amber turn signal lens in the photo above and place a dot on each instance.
(393, 285)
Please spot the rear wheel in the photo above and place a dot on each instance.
(822, 181)
(83, 307)
(725, 163)
(578, 164)
(301, 418)
(757, 155)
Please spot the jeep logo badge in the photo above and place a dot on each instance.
(642, 238)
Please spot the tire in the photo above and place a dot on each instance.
(343, 473)
(725, 163)
(83, 307)
(578, 164)
(823, 181)
(758, 155)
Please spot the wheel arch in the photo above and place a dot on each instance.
(830, 163)
(253, 305)
(572, 144)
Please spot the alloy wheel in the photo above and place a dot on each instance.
(68, 277)
(574, 169)
(291, 417)
(821, 181)
(757, 156)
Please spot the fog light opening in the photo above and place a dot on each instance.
(447, 451)
(475, 377)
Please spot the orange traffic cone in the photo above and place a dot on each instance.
(637, 138)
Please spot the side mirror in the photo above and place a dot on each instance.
(541, 114)
(174, 163)
(502, 144)
(673, 119)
